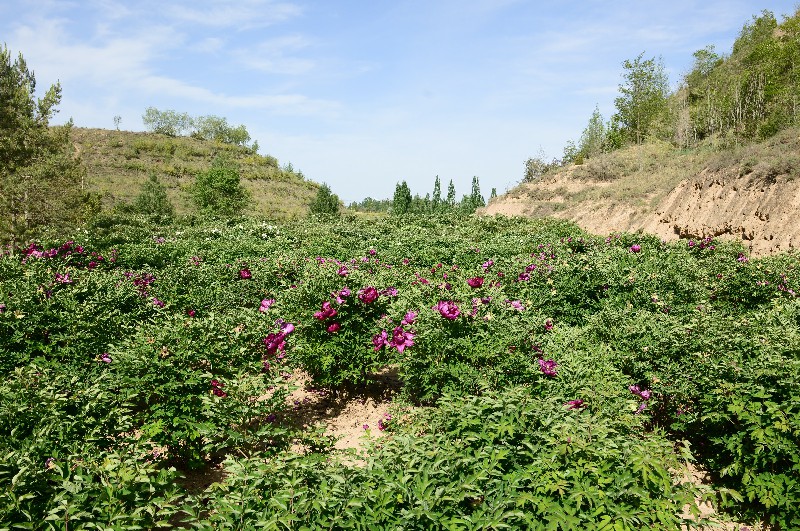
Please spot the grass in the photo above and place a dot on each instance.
(643, 175)
(119, 162)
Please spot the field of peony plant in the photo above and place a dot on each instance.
(550, 379)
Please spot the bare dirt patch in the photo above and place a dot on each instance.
(351, 416)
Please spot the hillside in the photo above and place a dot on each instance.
(746, 193)
(119, 162)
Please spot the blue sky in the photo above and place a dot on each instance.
(363, 94)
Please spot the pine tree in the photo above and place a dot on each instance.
(40, 174)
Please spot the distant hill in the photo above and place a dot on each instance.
(119, 162)
(748, 193)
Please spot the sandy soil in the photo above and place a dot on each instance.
(762, 213)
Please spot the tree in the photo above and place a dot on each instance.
(593, 137)
(40, 173)
(169, 122)
(217, 128)
(436, 200)
(644, 96)
(476, 200)
(326, 202)
(401, 203)
(451, 195)
(493, 194)
(152, 199)
(218, 191)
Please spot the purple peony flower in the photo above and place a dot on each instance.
(548, 325)
(401, 339)
(409, 318)
(575, 404)
(216, 389)
(380, 339)
(327, 312)
(368, 295)
(266, 304)
(245, 274)
(448, 309)
(644, 394)
(475, 282)
(635, 248)
(334, 327)
(548, 367)
(157, 303)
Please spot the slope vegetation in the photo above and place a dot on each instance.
(119, 162)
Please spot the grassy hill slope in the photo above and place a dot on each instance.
(119, 162)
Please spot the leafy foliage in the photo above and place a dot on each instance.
(218, 191)
(40, 174)
(560, 372)
(326, 202)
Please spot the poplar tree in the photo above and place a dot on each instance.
(451, 195)
(436, 200)
(643, 96)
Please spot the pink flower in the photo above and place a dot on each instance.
(380, 339)
(190, 313)
(105, 358)
(548, 325)
(575, 404)
(266, 304)
(401, 339)
(157, 303)
(635, 248)
(342, 272)
(245, 274)
(368, 295)
(409, 318)
(63, 279)
(448, 309)
(475, 282)
(334, 327)
(327, 312)
(486, 265)
(516, 305)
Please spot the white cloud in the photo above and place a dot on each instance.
(241, 14)
(274, 56)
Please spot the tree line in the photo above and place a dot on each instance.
(403, 202)
(747, 95)
(173, 123)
